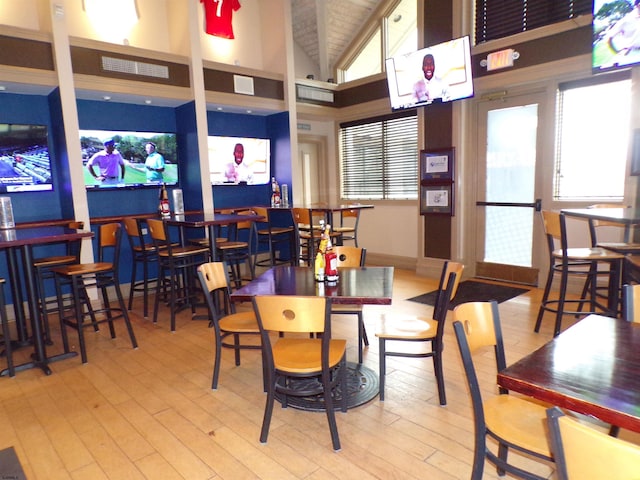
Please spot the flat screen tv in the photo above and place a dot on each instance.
(439, 73)
(25, 165)
(131, 146)
(239, 160)
(616, 34)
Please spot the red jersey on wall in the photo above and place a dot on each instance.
(218, 15)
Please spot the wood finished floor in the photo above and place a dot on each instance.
(150, 413)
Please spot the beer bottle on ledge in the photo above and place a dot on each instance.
(163, 207)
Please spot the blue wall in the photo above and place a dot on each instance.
(100, 115)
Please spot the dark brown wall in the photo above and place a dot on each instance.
(220, 81)
(18, 52)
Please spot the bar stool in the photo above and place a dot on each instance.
(179, 263)
(583, 262)
(308, 235)
(43, 271)
(349, 228)
(6, 335)
(143, 251)
(102, 275)
(275, 237)
(238, 248)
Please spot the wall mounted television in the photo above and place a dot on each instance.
(616, 34)
(253, 154)
(439, 73)
(25, 164)
(131, 145)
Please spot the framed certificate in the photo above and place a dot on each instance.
(436, 199)
(437, 164)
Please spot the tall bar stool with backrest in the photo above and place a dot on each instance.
(43, 271)
(424, 330)
(584, 262)
(274, 237)
(6, 334)
(348, 228)
(102, 275)
(308, 234)
(238, 248)
(179, 264)
(143, 252)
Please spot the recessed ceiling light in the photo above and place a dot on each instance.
(106, 97)
(2, 88)
(148, 102)
(219, 109)
(249, 111)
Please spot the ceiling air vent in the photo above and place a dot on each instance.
(134, 68)
(316, 94)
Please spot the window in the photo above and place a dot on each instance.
(592, 138)
(379, 158)
(400, 36)
(501, 18)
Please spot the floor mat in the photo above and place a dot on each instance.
(10, 465)
(472, 291)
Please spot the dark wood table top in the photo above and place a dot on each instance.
(208, 219)
(591, 368)
(20, 237)
(357, 285)
(628, 216)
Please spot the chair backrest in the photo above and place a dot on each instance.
(134, 233)
(349, 256)
(74, 246)
(445, 294)
(595, 224)
(158, 231)
(214, 280)
(109, 236)
(554, 224)
(353, 213)
(302, 216)
(582, 452)
(631, 303)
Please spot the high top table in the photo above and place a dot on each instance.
(626, 216)
(591, 368)
(19, 242)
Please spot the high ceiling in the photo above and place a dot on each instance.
(325, 28)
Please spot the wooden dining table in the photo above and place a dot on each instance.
(623, 215)
(18, 245)
(592, 368)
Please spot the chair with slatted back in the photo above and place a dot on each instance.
(348, 227)
(514, 423)
(43, 272)
(295, 364)
(176, 269)
(237, 249)
(103, 275)
(421, 330)
(349, 256)
(6, 335)
(583, 453)
(275, 238)
(224, 319)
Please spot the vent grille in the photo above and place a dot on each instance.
(134, 68)
(316, 94)
(242, 84)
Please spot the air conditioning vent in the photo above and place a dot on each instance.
(134, 68)
(242, 84)
(316, 94)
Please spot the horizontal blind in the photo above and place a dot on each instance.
(501, 18)
(379, 159)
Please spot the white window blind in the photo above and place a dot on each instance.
(379, 158)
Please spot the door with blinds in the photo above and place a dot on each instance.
(508, 192)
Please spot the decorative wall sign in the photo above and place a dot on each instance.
(437, 164)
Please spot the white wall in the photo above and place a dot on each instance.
(23, 14)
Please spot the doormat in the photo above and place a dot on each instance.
(472, 291)
(10, 465)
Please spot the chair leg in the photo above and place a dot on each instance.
(79, 291)
(545, 299)
(216, 360)
(125, 315)
(132, 287)
(6, 334)
(383, 366)
(268, 409)
(331, 414)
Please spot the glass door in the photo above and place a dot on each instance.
(508, 196)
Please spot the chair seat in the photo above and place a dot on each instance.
(84, 268)
(344, 229)
(343, 308)
(54, 260)
(589, 254)
(520, 421)
(241, 322)
(232, 245)
(275, 230)
(407, 328)
(302, 355)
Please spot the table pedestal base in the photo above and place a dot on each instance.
(39, 364)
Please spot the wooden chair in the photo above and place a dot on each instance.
(43, 271)
(6, 335)
(291, 358)
(425, 330)
(349, 256)
(144, 252)
(224, 319)
(177, 267)
(515, 423)
(584, 453)
(275, 237)
(103, 275)
(308, 238)
(348, 228)
(583, 262)
(237, 249)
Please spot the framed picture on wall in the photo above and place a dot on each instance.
(437, 164)
(436, 199)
